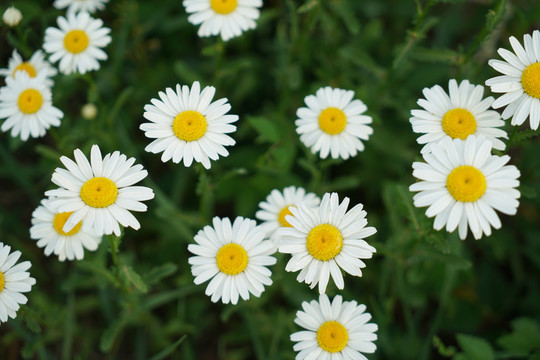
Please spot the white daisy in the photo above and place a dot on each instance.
(276, 207)
(188, 125)
(324, 239)
(26, 104)
(14, 280)
(33, 67)
(99, 192)
(520, 82)
(234, 256)
(462, 183)
(228, 18)
(459, 115)
(332, 123)
(80, 5)
(47, 225)
(334, 331)
(78, 42)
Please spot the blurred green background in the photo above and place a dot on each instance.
(432, 295)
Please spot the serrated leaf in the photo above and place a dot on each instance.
(134, 278)
(159, 272)
(474, 348)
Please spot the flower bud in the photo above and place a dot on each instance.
(12, 16)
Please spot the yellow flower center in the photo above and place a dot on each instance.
(332, 120)
(30, 101)
(530, 80)
(59, 221)
(26, 66)
(2, 281)
(281, 216)
(189, 125)
(459, 123)
(223, 7)
(466, 183)
(332, 336)
(76, 41)
(232, 259)
(99, 192)
(324, 242)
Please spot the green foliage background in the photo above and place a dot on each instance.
(432, 295)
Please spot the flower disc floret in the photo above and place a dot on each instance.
(232, 259)
(466, 183)
(332, 120)
(324, 242)
(76, 41)
(530, 79)
(59, 221)
(223, 7)
(281, 216)
(459, 123)
(26, 66)
(189, 125)
(30, 101)
(99, 192)
(332, 336)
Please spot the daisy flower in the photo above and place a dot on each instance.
(47, 225)
(333, 123)
(458, 115)
(99, 192)
(324, 240)
(276, 207)
(26, 104)
(188, 125)
(78, 43)
(228, 18)
(520, 81)
(33, 67)
(334, 331)
(80, 5)
(234, 256)
(14, 280)
(462, 184)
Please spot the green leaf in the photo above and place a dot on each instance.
(268, 130)
(474, 348)
(168, 350)
(525, 336)
(134, 278)
(159, 272)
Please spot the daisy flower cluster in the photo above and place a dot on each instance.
(461, 182)
(26, 99)
(323, 238)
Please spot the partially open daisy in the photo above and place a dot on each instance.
(14, 280)
(234, 256)
(520, 81)
(33, 67)
(47, 225)
(334, 331)
(188, 125)
(324, 239)
(333, 123)
(78, 42)
(228, 18)
(276, 207)
(459, 115)
(26, 104)
(80, 5)
(99, 192)
(462, 183)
